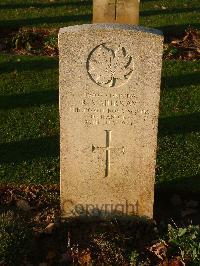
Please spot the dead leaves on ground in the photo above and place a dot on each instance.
(44, 42)
(49, 229)
(186, 47)
(160, 251)
(41, 203)
(23, 205)
(33, 41)
(37, 196)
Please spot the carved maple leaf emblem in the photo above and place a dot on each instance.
(110, 67)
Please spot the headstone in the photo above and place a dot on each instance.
(109, 101)
(116, 11)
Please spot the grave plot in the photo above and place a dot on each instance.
(29, 143)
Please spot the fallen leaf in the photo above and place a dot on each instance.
(176, 200)
(164, 263)
(48, 218)
(84, 257)
(49, 229)
(188, 212)
(51, 255)
(191, 204)
(176, 41)
(176, 262)
(160, 250)
(66, 257)
(23, 205)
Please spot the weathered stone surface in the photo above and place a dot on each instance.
(116, 11)
(109, 101)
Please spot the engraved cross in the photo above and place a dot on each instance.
(115, 3)
(108, 149)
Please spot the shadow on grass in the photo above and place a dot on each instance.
(184, 190)
(146, 13)
(178, 29)
(18, 151)
(45, 20)
(179, 124)
(43, 5)
(30, 64)
(49, 146)
(182, 185)
(36, 98)
(179, 81)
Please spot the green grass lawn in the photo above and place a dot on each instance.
(170, 16)
(29, 119)
(44, 13)
(29, 132)
(179, 127)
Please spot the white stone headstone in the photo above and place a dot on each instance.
(109, 103)
(116, 11)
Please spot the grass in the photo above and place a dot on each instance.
(14, 238)
(169, 16)
(172, 17)
(179, 130)
(29, 119)
(29, 133)
(44, 14)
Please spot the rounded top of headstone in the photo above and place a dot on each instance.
(109, 26)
